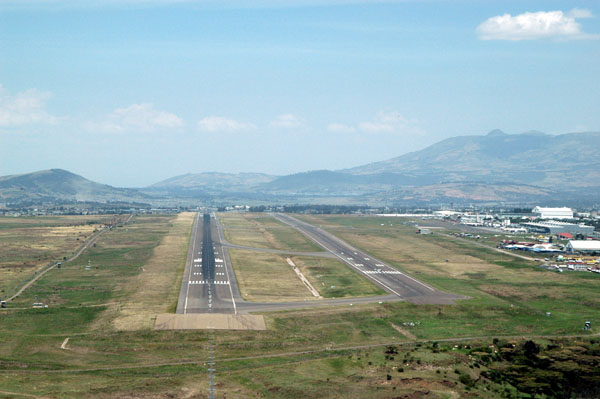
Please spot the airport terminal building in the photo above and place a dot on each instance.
(583, 246)
(553, 213)
(553, 227)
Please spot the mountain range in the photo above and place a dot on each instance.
(496, 167)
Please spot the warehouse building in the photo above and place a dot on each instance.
(553, 213)
(553, 227)
(583, 246)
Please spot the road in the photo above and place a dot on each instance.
(390, 279)
(40, 274)
(207, 286)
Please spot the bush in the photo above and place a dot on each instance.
(466, 380)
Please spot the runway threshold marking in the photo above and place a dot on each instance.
(296, 225)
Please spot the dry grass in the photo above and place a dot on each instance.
(517, 293)
(267, 277)
(206, 321)
(430, 255)
(25, 248)
(263, 231)
(157, 286)
(416, 254)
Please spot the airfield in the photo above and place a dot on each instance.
(348, 306)
(209, 285)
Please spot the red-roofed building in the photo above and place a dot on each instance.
(565, 236)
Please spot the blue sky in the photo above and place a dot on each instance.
(132, 92)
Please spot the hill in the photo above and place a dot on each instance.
(58, 185)
(532, 166)
(567, 161)
(208, 184)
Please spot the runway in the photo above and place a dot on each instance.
(209, 284)
(390, 279)
(208, 278)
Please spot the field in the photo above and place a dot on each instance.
(502, 286)
(387, 350)
(265, 277)
(29, 244)
(334, 279)
(263, 231)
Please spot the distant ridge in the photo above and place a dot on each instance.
(54, 185)
(495, 167)
(567, 160)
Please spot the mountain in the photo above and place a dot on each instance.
(208, 184)
(494, 167)
(58, 185)
(566, 161)
(527, 167)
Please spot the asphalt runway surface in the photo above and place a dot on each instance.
(209, 284)
(390, 279)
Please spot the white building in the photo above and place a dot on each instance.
(553, 213)
(583, 246)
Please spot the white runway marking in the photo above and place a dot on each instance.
(381, 272)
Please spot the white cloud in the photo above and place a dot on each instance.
(384, 122)
(24, 108)
(138, 117)
(535, 25)
(340, 128)
(390, 122)
(219, 123)
(580, 13)
(286, 121)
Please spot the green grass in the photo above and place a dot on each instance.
(334, 279)
(509, 298)
(509, 294)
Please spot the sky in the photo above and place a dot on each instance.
(132, 92)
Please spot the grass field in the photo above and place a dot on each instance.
(498, 283)
(320, 353)
(334, 279)
(263, 231)
(156, 288)
(265, 277)
(29, 244)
